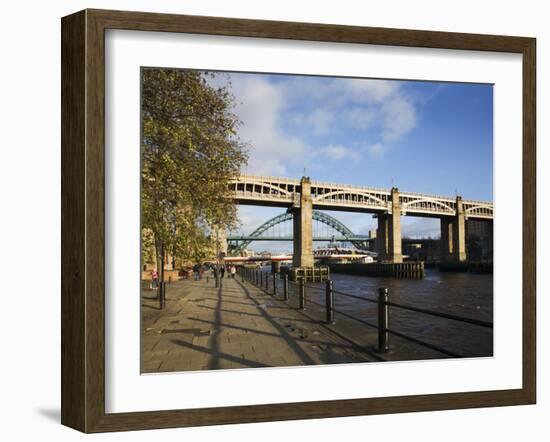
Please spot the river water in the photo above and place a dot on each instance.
(462, 294)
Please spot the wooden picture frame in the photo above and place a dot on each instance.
(83, 219)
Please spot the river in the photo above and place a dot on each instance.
(463, 294)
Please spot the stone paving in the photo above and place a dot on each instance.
(239, 325)
(234, 326)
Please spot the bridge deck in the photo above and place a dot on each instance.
(273, 191)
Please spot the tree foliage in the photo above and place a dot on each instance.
(190, 152)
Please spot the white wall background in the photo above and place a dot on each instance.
(30, 216)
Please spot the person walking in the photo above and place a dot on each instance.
(222, 271)
(154, 279)
(196, 272)
(201, 271)
(233, 270)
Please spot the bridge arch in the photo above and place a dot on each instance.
(317, 216)
(368, 197)
(483, 210)
(420, 204)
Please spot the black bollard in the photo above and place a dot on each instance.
(162, 295)
(383, 320)
(285, 287)
(330, 301)
(274, 284)
(302, 293)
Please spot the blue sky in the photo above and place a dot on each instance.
(425, 137)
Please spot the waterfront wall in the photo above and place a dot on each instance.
(397, 270)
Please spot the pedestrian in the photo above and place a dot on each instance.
(154, 279)
(233, 270)
(222, 271)
(196, 272)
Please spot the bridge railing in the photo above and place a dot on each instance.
(274, 284)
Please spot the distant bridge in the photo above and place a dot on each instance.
(238, 243)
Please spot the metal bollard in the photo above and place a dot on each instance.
(383, 320)
(217, 278)
(274, 284)
(162, 295)
(267, 282)
(207, 279)
(330, 302)
(302, 293)
(242, 272)
(285, 287)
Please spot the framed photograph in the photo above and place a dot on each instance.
(267, 220)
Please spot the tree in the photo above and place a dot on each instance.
(190, 152)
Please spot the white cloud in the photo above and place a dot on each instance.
(376, 149)
(364, 104)
(399, 117)
(261, 106)
(380, 107)
(368, 90)
(338, 91)
(361, 117)
(320, 120)
(339, 152)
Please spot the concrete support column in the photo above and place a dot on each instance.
(453, 235)
(395, 227)
(459, 232)
(219, 238)
(490, 234)
(446, 245)
(382, 237)
(303, 226)
(388, 236)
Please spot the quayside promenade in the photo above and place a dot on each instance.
(238, 325)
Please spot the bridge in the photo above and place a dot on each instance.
(238, 243)
(302, 196)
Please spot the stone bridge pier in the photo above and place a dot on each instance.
(302, 210)
(453, 236)
(388, 236)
